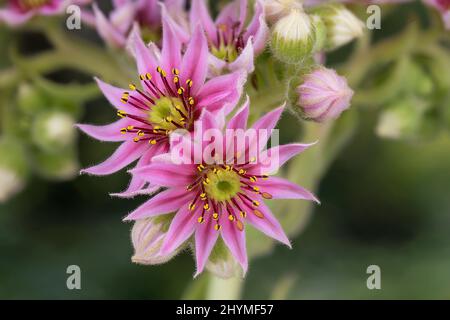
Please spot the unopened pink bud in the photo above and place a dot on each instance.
(323, 95)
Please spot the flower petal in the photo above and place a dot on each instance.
(280, 188)
(235, 241)
(137, 183)
(269, 120)
(171, 47)
(128, 152)
(107, 31)
(114, 95)
(245, 59)
(134, 190)
(258, 29)
(165, 202)
(195, 60)
(234, 12)
(145, 60)
(174, 14)
(166, 174)
(239, 120)
(222, 92)
(269, 225)
(200, 14)
(109, 132)
(205, 239)
(181, 228)
(13, 17)
(216, 66)
(122, 17)
(274, 158)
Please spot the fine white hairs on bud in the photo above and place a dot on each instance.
(293, 37)
(341, 24)
(321, 95)
(148, 236)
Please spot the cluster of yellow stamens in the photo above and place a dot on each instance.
(226, 189)
(162, 108)
(228, 43)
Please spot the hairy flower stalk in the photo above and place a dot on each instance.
(217, 194)
(233, 44)
(172, 93)
(17, 12)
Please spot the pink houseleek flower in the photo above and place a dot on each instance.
(17, 12)
(323, 95)
(233, 43)
(217, 193)
(147, 14)
(171, 95)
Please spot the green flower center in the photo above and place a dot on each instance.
(223, 185)
(168, 113)
(225, 52)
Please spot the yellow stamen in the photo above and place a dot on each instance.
(258, 213)
(239, 225)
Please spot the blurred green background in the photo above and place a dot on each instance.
(384, 203)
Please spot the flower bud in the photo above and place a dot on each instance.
(13, 167)
(277, 9)
(341, 24)
(30, 100)
(53, 130)
(221, 263)
(403, 119)
(321, 95)
(293, 37)
(147, 236)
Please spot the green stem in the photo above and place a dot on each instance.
(306, 170)
(70, 52)
(224, 289)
